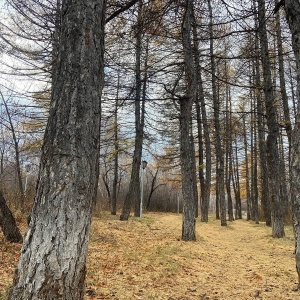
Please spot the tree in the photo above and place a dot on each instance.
(202, 125)
(186, 147)
(273, 127)
(292, 8)
(54, 252)
(17, 153)
(134, 193)
(220, 193)
(8, 223)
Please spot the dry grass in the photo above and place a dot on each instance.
(145, 259)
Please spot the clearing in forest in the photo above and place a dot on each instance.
(145, 259)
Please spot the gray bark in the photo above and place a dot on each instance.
(220, 193)
(186, 148)
(8, 223)
(284, 97)
(273, 127)
(17, 155)
(116, 158)
(236, 184)
(53, 258)
(202, 124)
(133, 195)
(265, 198)
(247, 171)
(292, 8)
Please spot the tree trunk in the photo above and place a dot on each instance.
(116, 157)
(193, 156)
(53, 258)
(202, 123)
(133, 195)
(228, 149)
(186, 152)
(254, 187)
(17, 156)
(249, 209)
(284, 97)
(236, 184)
(8, 223)
(265, 198)
(273, 127)
(292, 8)
(220, 193)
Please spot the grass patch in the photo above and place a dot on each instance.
(148, 221)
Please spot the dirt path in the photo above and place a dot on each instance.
(145, 259)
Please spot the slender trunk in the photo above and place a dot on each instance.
(273, 127)
(254, 187)
(116, 157)
(236, 184)
(265, 199)
(220, 193)
(152, 189)
(284, 97)
(193, 156)
(292, 9)
(292, 88)
(247, 171)
(228, 149)
(202, 124)
(17, 157)
(133, 195)
(283, 182)
(186, 151)
(53, 258)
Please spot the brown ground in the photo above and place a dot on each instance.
(145, 259)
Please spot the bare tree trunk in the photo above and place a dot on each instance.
(248, 196)
(116, 158)
(8, 223)
(228, 149)
(17, 156)
(273, 127)
(133, 195)
(292, 8)
(284, 97)
(186, 151)
(254, 187)
(202, 123)
(236, 184)
(220, 193)
(193, 156)
(53, 258)
(265, 199)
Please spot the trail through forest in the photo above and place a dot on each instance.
(145, 259)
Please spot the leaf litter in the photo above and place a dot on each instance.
(145, 259)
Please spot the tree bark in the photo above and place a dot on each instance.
(202, 124)
(265, 198)
(186, 151)
(133, 195)
(17, 156)
(53, 258)
(236, 184)
(248, 196)
(116, 157)
(220, 193)
(292, 8)
(273, 127)
(8, 223)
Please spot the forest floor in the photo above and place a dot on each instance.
(145, 259)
